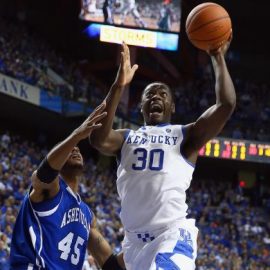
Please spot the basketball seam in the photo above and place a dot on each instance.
(206, 40)
(199, 10)
(202, 25)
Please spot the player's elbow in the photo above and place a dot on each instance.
(228, 104)
(97, 141)
(227, 108)
(100, 144)
(231, 104)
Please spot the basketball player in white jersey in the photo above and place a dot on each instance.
(130, 7)
(156, 163)
(87, 7)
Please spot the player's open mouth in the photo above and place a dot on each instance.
(77, 157)
(156, 109)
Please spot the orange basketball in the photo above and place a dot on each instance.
(208, 25)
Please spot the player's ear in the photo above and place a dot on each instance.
(173, 108)
(141, 108)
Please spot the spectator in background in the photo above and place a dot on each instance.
(4, 265)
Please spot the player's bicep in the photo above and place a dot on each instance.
(208, 125)
(112, 144)
(40, 189)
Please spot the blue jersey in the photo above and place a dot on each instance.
(51, 235)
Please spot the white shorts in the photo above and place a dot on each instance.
(171, 248)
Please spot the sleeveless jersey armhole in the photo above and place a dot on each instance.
(49, 206)
(184, 132)
(118, 156)
(92, 215)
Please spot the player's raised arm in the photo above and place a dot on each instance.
(211, 122)
(45, 179)
(105, 139)
(102, 252)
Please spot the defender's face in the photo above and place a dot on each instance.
(157, 104)
(75, 158)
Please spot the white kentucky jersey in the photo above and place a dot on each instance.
(153, 177)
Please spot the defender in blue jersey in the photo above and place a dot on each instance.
(155, 167)
(54, 227)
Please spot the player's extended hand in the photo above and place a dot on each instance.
(91, 123)
(126, 71)
(222, 49)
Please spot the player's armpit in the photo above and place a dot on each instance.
(111, 144)
(207, 126)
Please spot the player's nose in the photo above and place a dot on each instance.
(156, 96)
(75, 150)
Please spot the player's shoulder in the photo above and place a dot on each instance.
(124, 132)
(169, 126)
(187, 129)
(87, 211)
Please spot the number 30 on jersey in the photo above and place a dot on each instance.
(152, 160)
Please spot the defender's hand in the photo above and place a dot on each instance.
(125, 72)
(91, 123)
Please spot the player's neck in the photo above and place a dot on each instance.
(72, 181)
(157, 124)
(74, 185)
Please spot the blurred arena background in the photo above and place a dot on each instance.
(51, 75)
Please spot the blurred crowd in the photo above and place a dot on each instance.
(234, 232)
(251, 119)
(30, 59)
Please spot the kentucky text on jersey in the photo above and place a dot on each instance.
(161, 139)
(75, 215)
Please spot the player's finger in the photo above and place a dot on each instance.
(100, 108)
(213, 51)
(97, 118)
(134, 68)
(123, 47)
(122, 61)
(93, 127)
(127, 53)
(97, 109)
